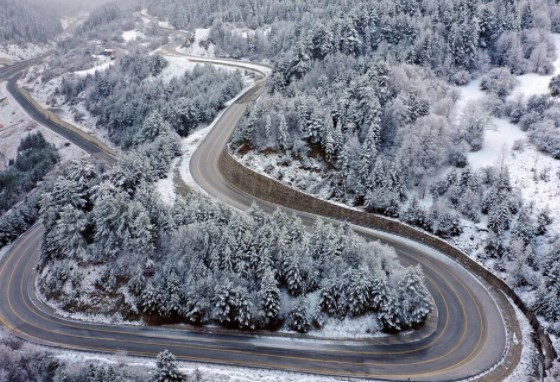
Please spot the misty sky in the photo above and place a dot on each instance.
(72, 6)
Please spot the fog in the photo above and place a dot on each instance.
(69, 7)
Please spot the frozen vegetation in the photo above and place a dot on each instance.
(362, 108)
(23, 21)
(111, 246)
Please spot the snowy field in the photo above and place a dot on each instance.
(132, 35)
(535, 174)
(201, 46)
(102, 64)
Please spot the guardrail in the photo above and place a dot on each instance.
(270, 190)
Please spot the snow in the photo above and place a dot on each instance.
(523, 371)
(350, 328)
(469, 93)
(12, 52)
(132, 35)
(204, 372)
(17, 124)
(499, 141)
(89, 275)
(201, 45)
(5, 249)
(190, 144)
(501, 136)
(178, 66)
(147, 20)
(534, 84)
(166, 186)
(535, 174)
(44, 95)
(98, 68)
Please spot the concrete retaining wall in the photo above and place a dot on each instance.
(271, 190)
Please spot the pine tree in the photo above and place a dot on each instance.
(548, 298)
(359, 292)
(149, 300)
(333, 300)
(226, 301)
(297, 319)
(267, 131)
(270, 297)
(554, 86)
(328, 141)
(527, 17)
(323, 41)
(283, 133)
(243, 310)
(167, 369)
(416, 215)
(153, 125)
(414, 298)
(389, 313)
(292, 273)
(379, 289)
(68, 233)
(301, 62)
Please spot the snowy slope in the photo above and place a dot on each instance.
(17, 124)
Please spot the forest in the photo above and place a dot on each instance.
(35, 158)
(200, 262)
(18, 209)
(22, 21)
(124, 96)
(361, 109)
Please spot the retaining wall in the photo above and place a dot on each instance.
(268, 189)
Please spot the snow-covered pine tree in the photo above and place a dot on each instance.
(297, 319)
(167, 369)
(283, 143)
(270, 297)
(359, 292)
(414, 298)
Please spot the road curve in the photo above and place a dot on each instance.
(469, 337)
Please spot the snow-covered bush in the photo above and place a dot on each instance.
(474, 121)
(554, 86)
(498, 81)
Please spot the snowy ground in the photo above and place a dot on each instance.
(534, 84)
(11, 52)
(132, 35)
(77, 115)
(148, 20)
(201, 45)
(201, 372)
(4, 250)
(16, 124)
(178, 66)
(102, 63)
(524, 370)
(166, 186)
(535, 174)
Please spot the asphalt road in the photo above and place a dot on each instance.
(468, 338)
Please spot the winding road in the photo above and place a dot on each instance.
(469, 335)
